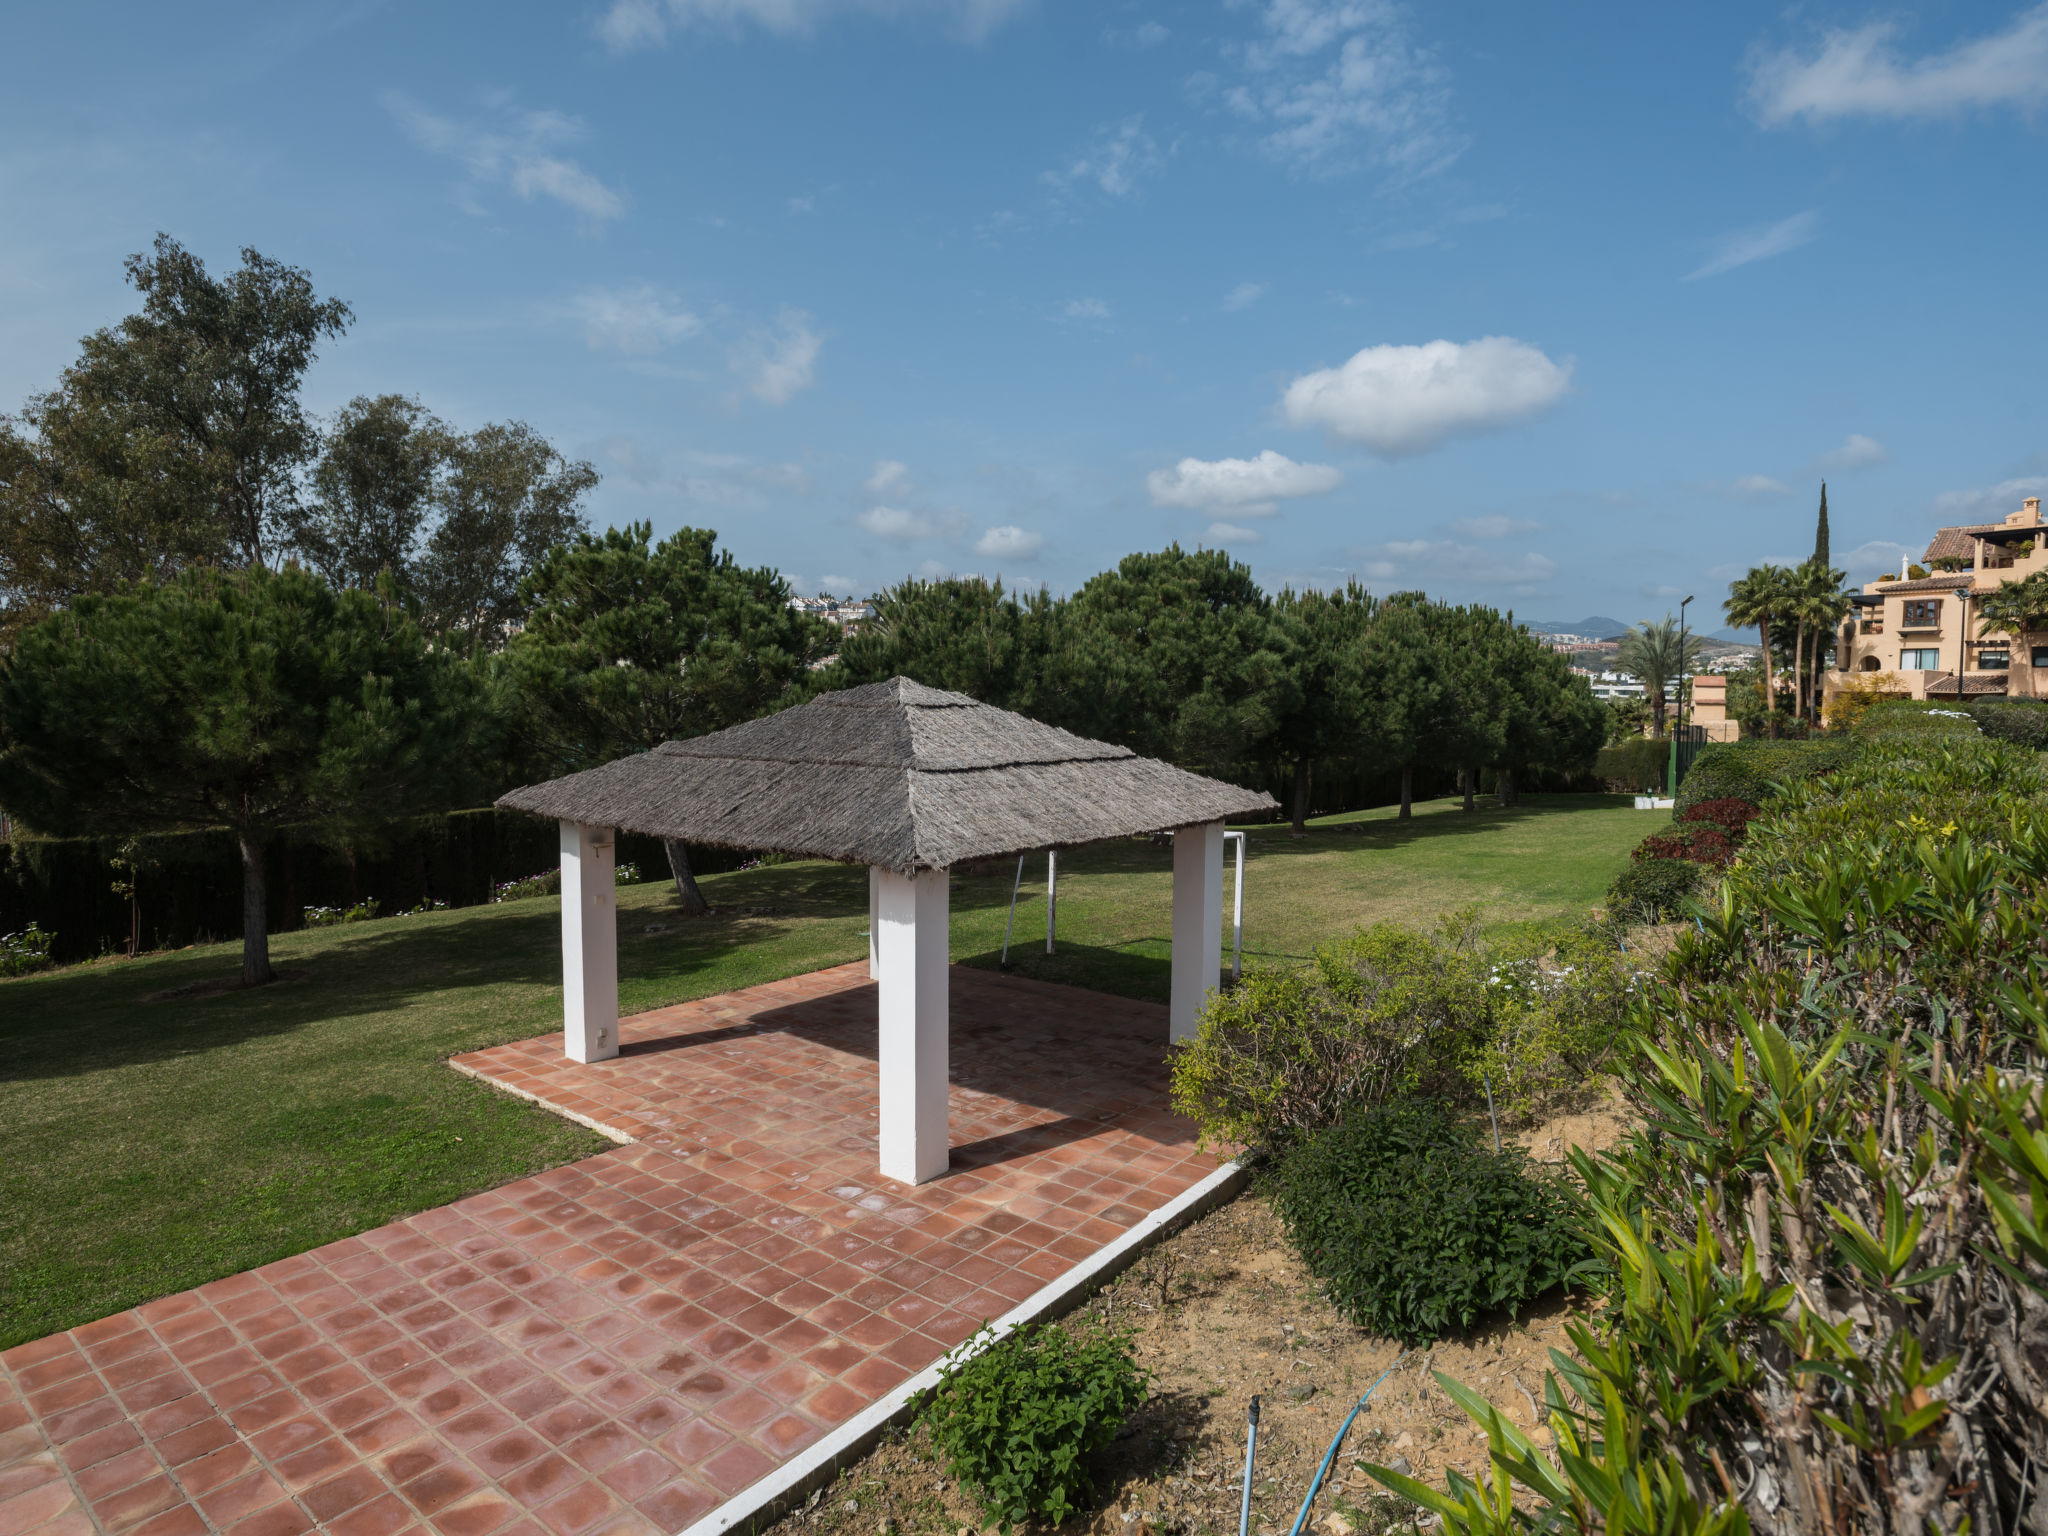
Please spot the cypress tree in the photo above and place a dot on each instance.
(1820, 534)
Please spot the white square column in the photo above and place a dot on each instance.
(590, 944)
(910, 968)
(1197, 924)
(874, 920)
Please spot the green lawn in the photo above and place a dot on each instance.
(149, 1146)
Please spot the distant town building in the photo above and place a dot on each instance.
(1925, 636)
(846, 612)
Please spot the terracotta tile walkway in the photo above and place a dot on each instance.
(616, 1347)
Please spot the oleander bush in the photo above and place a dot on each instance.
(1287, 1051)
(2023, 722)
(1826, 1249)
(1017, 1419)
(1415, 1230)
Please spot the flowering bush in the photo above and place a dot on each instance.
(547, 883)
(28, 950)
(1556, 1004)
(334, 917)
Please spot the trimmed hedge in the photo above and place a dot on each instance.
(1653, 890)
(1745, 770)
(2023, 722)
(1913, 719)
(1639, 766)
(191, 886)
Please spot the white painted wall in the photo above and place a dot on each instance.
(1197, 924)
(874, 888)
(910, 957)
(590, 944)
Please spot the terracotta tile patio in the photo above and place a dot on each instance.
(619, 1345)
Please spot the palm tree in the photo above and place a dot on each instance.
(1657, 653)
(1759, 598)
(1818, 601)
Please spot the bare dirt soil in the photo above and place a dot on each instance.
(1223, 1310)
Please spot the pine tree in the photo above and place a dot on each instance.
(1820, 534)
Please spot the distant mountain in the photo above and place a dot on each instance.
(1593, 628)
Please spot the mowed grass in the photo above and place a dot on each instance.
(150, 1146)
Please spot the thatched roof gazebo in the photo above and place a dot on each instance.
(910, 781)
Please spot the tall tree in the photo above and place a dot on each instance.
(1469, 729)
(252, 700)
(965, 634)
(374, 491)
(1401, 687)
(1761, 597)
(1172, 654)
(627, 646)
(1820, 532)
(1319, 709)
(1658, 653)
(1818, 605)
(176, 438)
(508, 498)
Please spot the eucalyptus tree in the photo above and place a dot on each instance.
(375, 491)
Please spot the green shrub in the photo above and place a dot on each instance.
(1746, 770)
(334, 917)
(20, 953)
(2023, 722)
(1637, 766)
(1558, 1002)
(1654, 890)
(1017, 1420)
(1907, 719)
(1414, 1230)
(1288, 1051)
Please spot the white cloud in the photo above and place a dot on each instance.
(632, 24)
(1856, 72)
(775, 365)
(1760, 485)
(888, 472)
(1876, 556)
(1414, 561)
(1747, 245)
(1248, 487)
(1244, 295)
(802, 205)
(1229, 534)
(1401, 400)
(1085, 309)
(895, 525)
(1856, 452)
(1009, 542)
(1990, 502)
(1331, 83)
(1493, 528)
(833, 583)
(518, 152)
(1148, 34)
(641, 319)
(1121, 154)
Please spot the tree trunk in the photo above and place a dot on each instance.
(694, 904)
(1656, 711)
(1301, 798)
(1470, 776)
(1507, 786)
(1763, 630)
(1799, 672)
(1407, 791)
(255, 928)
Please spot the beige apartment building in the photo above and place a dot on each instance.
(1925, 638)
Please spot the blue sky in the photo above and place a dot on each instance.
(1564, 309)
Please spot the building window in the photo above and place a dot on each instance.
(1874, 625)
(2041, 655)
(1994, 660)
(1927, 660)
(1921, 613)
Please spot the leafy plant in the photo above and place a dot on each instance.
(1653, 890)
(334, 917)
(1286, 1052)
(547, 883)
(1018, 1418)
(1558, 1004)
(2024, 722)
(1414, 1230)
(25, 951)
(1638, 766)
(1748, 770)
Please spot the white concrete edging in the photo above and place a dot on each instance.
(773, 1495)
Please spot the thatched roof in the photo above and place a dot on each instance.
(895, 774)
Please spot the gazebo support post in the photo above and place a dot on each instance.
(1197, 924)
(590, 944)
(910, 956)
(874, 920)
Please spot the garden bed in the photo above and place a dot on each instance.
(1240, 1315)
